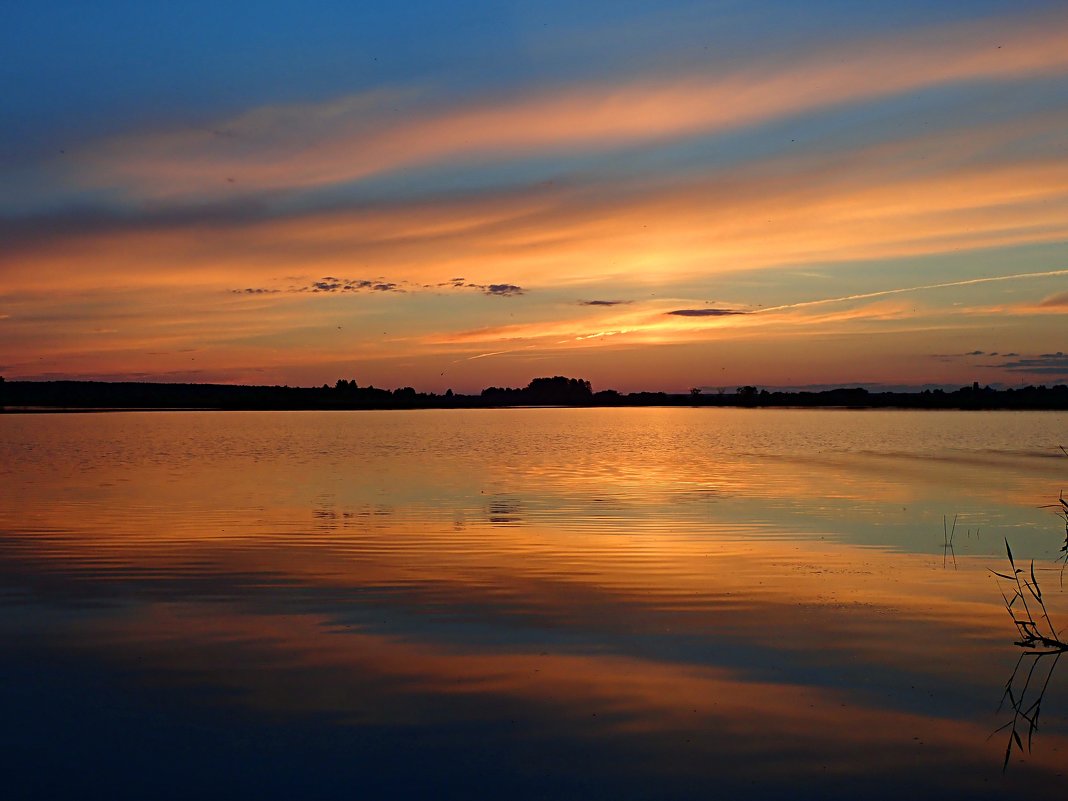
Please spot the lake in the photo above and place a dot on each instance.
(526, 603)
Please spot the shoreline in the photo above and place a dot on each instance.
(45, 397)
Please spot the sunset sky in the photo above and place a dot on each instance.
(650, 195)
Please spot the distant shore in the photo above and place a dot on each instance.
(29, 397)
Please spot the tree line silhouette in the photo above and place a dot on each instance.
(547, 391)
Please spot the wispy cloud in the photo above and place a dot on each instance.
(283, 147)
(1057, 301)
(818, 209)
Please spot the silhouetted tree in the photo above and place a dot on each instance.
(347, 387)
(747, 392)
(559, 390)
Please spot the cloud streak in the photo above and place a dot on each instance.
(919, 288)
(344, 140)
(794, 211)
(1057, 301)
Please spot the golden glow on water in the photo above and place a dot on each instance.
(704, 590)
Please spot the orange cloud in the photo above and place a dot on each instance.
(816, 209)
(351, 138)
(1058, 301)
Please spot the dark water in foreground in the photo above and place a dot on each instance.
(533, 603)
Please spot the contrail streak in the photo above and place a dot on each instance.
(491, 353)
(902, 290)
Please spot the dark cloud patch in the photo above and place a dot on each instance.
(706, 312)
(455, 283)
(1043, 364)
(604, 302)
(976, 353)
(333, 285)
(502, 290)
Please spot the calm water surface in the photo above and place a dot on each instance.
(529, 603)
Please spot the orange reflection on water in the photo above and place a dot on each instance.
(873, 605)
(418, 573)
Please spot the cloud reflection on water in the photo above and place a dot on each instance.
(715, 637)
